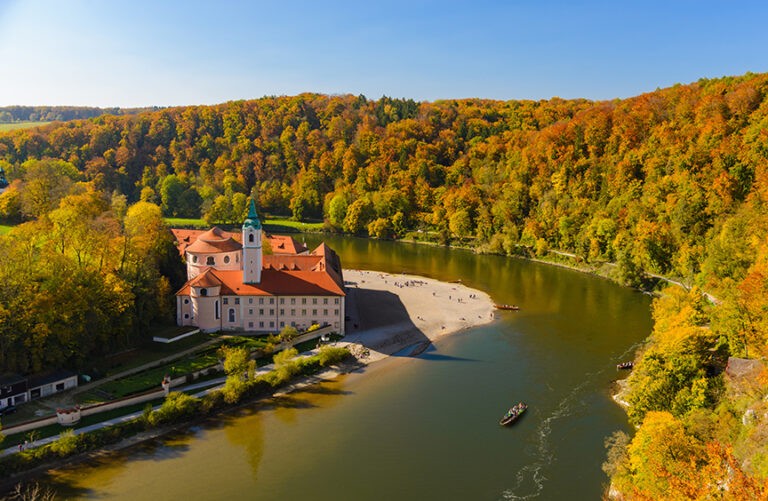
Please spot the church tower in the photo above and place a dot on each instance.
(252, 247)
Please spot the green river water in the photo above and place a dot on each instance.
(419, 428)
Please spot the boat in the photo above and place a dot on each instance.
(454, 281)
(512, 414)
(506, 307)
(625, 365)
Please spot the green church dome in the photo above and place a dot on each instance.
(252, 221)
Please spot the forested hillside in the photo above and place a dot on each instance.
(673, 182)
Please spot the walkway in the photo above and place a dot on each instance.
(210, 385)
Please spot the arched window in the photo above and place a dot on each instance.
(194, 259)
(210, 261)
(250, 237)
(226, 259)
(203, 292)
(231, 314)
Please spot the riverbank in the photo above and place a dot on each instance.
(394, 313)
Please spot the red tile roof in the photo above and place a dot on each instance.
(213, 241)
(273, 283)
(281, 244)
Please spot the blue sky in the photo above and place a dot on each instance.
(137, 53)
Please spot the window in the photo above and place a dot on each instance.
(261, 300)
(314, 312)
(250, 311)
(250, 300)
(303, 312)
(186, 315)
(210, 261)
(261, 311)
(261, 324)
(204, 292)
(225, 300)
(250, 325)
(231, 314)
(282, 312)
(282, 300)
(217, 309)
(336, 325)
(293, 313)
(293, 300)
(325, 312)
(186, 301)
(335, 312)
(303, 300)
(250, 237)
(282, 324)
(271, 311)
(293, 324)
(325, 300)
(226, 259)
(237, 300)
(336, 301)
(271, 300)
(271, 324)
(194, 259)
(237, 258)
(314, 300)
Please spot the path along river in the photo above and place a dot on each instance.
(420, 428)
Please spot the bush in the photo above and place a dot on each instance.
(177, 407)
(67, 444)
(331, 355)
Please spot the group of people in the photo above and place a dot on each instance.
(515, 411)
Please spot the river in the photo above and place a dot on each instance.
(419, 428)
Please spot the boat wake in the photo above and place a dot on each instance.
(529, 481)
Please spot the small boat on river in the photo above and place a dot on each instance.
(512, 414)
(506, 307)
(625, 365)
(454, 281)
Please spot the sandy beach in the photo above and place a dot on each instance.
(393, 313)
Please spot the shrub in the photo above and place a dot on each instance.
(331, 355)
(177, 407)
(67, 444)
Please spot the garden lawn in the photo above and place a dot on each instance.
(4, 229)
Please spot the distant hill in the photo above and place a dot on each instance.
(11, 114)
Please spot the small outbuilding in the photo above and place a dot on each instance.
(13, 390)
(42, 385)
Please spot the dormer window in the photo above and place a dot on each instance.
(203, 292)
(210, 261)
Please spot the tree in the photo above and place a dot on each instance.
(460, 224)
(171, 191)
(380, 228)
(359, 214)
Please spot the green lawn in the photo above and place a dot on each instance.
(6, 126)
(185, 222)
(274, 224)
(151, 378)
(4, 229)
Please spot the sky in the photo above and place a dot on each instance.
(164, 53)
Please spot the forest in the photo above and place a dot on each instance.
(673, 182)
(60, 113)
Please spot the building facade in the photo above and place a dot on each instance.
(234, 286)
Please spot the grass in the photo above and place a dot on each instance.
(4, 229)
(185, 222)
(149, 352)
(6, 126)
(151, 378)
(274, 224)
